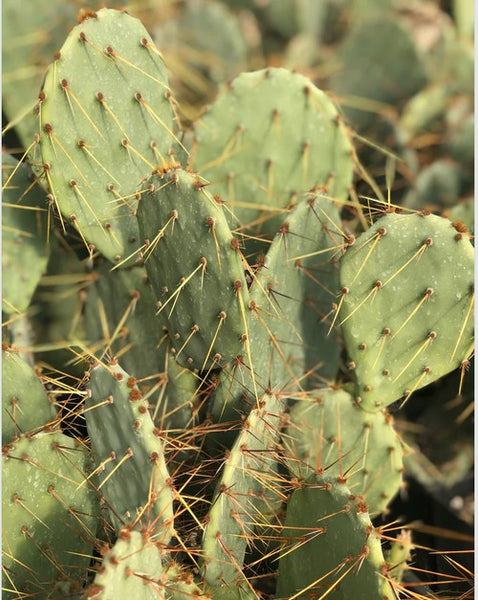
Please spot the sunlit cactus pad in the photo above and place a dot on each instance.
(106, 122)
(406, 305)
(50, 514)
(268, 137)
(332, 547)
(330, 433)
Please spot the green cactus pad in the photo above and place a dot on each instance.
(330, 433)
(201, 288)
(128, 452)
(398, 555)
(106, 123)
(131, 569)
(333, 548)
(249, 473)
(25, 404)
(406, 305)
(49, 514)
(269, 137)
(289, 312)
(25, 249)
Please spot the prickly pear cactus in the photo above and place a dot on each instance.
(50, 514)
(106, 122)
(26, 407)
(406, 305)
(128, 453)
(332, 547)
(270, 136)
(25, 248)
(202, 292)
(130, 569)
(332, 434)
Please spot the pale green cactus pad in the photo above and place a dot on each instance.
(106, 122)
(330, 433)
(269, 137)
(406, 305)
(50, 514)
(26, 407)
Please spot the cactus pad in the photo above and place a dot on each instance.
(333, 548)
(49, 518)
(330, 433)
(106, 123)
(131, 569)
(128, 452)
(25, 404)
(25, 250)
(201, 288)
(270, 136)
(249, 473)
(406, 305)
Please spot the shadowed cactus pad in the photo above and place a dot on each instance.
(195, 268)
(106, 122)
(129, 458)
(333, 548)
(406, 306)
(25, 250)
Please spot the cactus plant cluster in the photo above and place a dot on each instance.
(196, 385)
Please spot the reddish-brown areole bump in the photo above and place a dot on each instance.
(135, 395)
(99, 96)
(84, 14)
(131, 382)
(235, 244)
(237, 285)
(460, 226)
(154, 456)
(428, 242)
(110, 51)
(144, 42)
(142, 409)
(284, 228)
(57, 55)
(386, 331)
(138, 97)
(432, 335)
(64, 84)
(82, 36)
(386, 372)
(362, 346)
